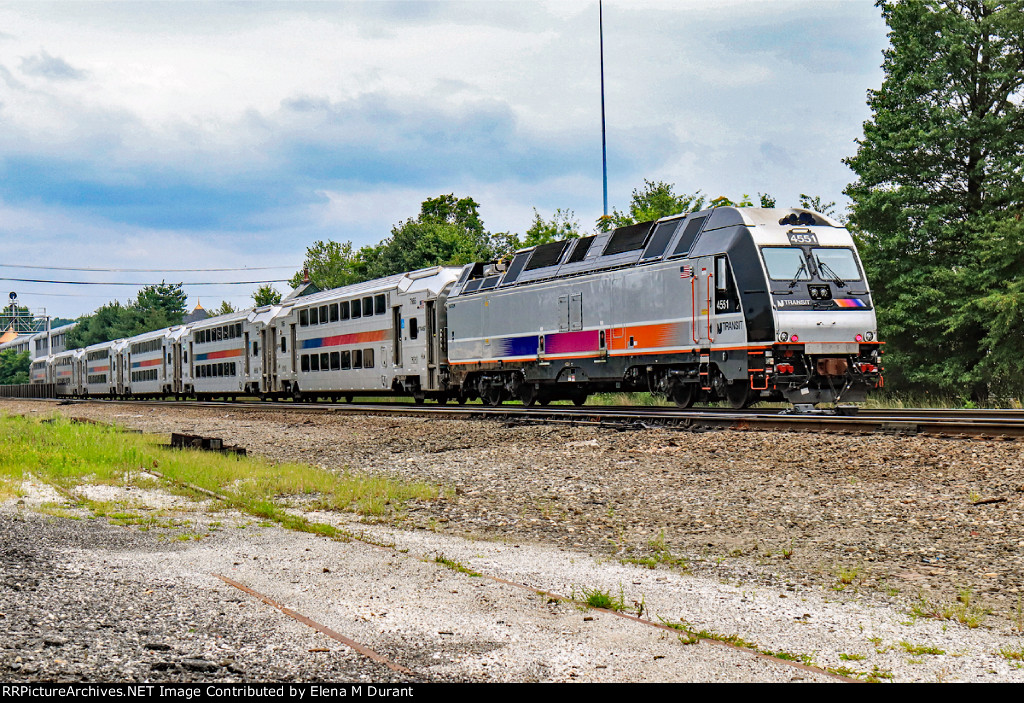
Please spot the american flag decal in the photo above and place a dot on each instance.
(686, 272)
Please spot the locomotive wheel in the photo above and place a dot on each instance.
(527, 394)
(739, 395)
(419, 398)
(579, 399)
(683, 394)
(462, 399)
(493, 397)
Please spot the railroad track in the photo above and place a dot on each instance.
(993, 424)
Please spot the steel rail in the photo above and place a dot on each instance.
(1008, 424)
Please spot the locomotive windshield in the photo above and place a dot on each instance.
(786, 264)
(838, 263)
(792, 264)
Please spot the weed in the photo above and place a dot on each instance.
(852, 657)
(596, 598)
(455, 566)
(963, 610)
(919, 649)
(1011, 653)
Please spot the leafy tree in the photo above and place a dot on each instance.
(267, 295)
(939, 170)
(14, 367)
(331, 264)
(225, 308)
(814, 202)
(447, 232)
(562, 225)
(652, 202)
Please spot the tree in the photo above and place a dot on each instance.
(14, 367)
(938, 168)
(652, 202)
(447, 232)
(266, 295)
(814, 202)
(330, 264)
(163, 299)
(562, 225)
(225, 308)
(155, 307)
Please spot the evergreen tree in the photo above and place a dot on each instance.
(939, 167)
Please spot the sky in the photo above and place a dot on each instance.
(190, 135)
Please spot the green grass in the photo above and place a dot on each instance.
(67, 455)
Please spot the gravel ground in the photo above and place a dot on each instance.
(758, 517)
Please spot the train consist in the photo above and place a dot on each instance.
(736, 304)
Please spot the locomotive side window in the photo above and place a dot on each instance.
(726, 300)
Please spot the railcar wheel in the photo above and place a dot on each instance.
(494, 397)
(579, 399)
(462, 399)
(419, 398)
(683, 394)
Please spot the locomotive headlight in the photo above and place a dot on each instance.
(783, 336)
(869, 335)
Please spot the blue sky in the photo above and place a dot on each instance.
(204, 135)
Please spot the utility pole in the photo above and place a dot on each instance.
(604, 142)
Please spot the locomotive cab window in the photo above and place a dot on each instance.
(786, 264)
(835, 263)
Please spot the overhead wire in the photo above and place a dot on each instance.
(130, 270)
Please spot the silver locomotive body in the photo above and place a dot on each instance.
(729, 303)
